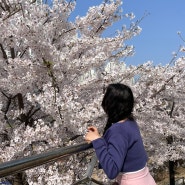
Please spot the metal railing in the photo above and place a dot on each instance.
(19, 165)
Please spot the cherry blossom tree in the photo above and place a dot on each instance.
(160, 109)
(53, 75)
(160, 113)
(46, 98)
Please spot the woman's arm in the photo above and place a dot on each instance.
(110, 150)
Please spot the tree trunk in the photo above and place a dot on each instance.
(19, 179)
(171, 173)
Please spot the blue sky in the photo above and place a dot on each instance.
(159, 37)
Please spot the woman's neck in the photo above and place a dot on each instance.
(123, 120)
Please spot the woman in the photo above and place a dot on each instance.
(120, 151)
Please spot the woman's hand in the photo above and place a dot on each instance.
(92, 134)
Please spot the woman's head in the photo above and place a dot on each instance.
(118, 102)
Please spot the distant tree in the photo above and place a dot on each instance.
(160, 109)
(160, 112)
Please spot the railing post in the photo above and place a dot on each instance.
(88, 176)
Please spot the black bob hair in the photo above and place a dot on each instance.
(118, 103)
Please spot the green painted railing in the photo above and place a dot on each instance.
(16, 166)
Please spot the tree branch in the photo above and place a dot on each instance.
(3, 51)
(12, 51)
(22, 54)
(163, 86)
